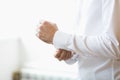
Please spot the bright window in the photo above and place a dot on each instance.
(21, 18)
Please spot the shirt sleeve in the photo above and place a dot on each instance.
(105, 45)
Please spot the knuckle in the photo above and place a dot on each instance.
(45, 22)
(41, 27)
(56, 56)
(54, 24)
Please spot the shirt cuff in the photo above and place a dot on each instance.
(61, 40)
(73, 59)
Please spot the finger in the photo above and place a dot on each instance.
(66, 55)
(63, 55)
(41, 37)
(44, 22)
(42, 34)
(58, 53)
(42, 27)
(69, 55)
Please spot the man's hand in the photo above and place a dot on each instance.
(62, 54)
(47, 31)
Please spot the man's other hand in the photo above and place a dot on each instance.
(62, 54)
(47, 31)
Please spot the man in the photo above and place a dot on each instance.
(97, 50)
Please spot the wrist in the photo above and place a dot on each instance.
(53, 36)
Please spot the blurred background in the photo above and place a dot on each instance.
(21, 52)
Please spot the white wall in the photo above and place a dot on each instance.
(9, 57)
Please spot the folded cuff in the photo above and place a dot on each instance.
(61, 40)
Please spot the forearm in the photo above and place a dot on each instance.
(101, 45)
(105, 45)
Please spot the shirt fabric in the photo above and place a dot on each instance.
(97, 50)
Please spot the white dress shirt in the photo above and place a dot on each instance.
(97, 50)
